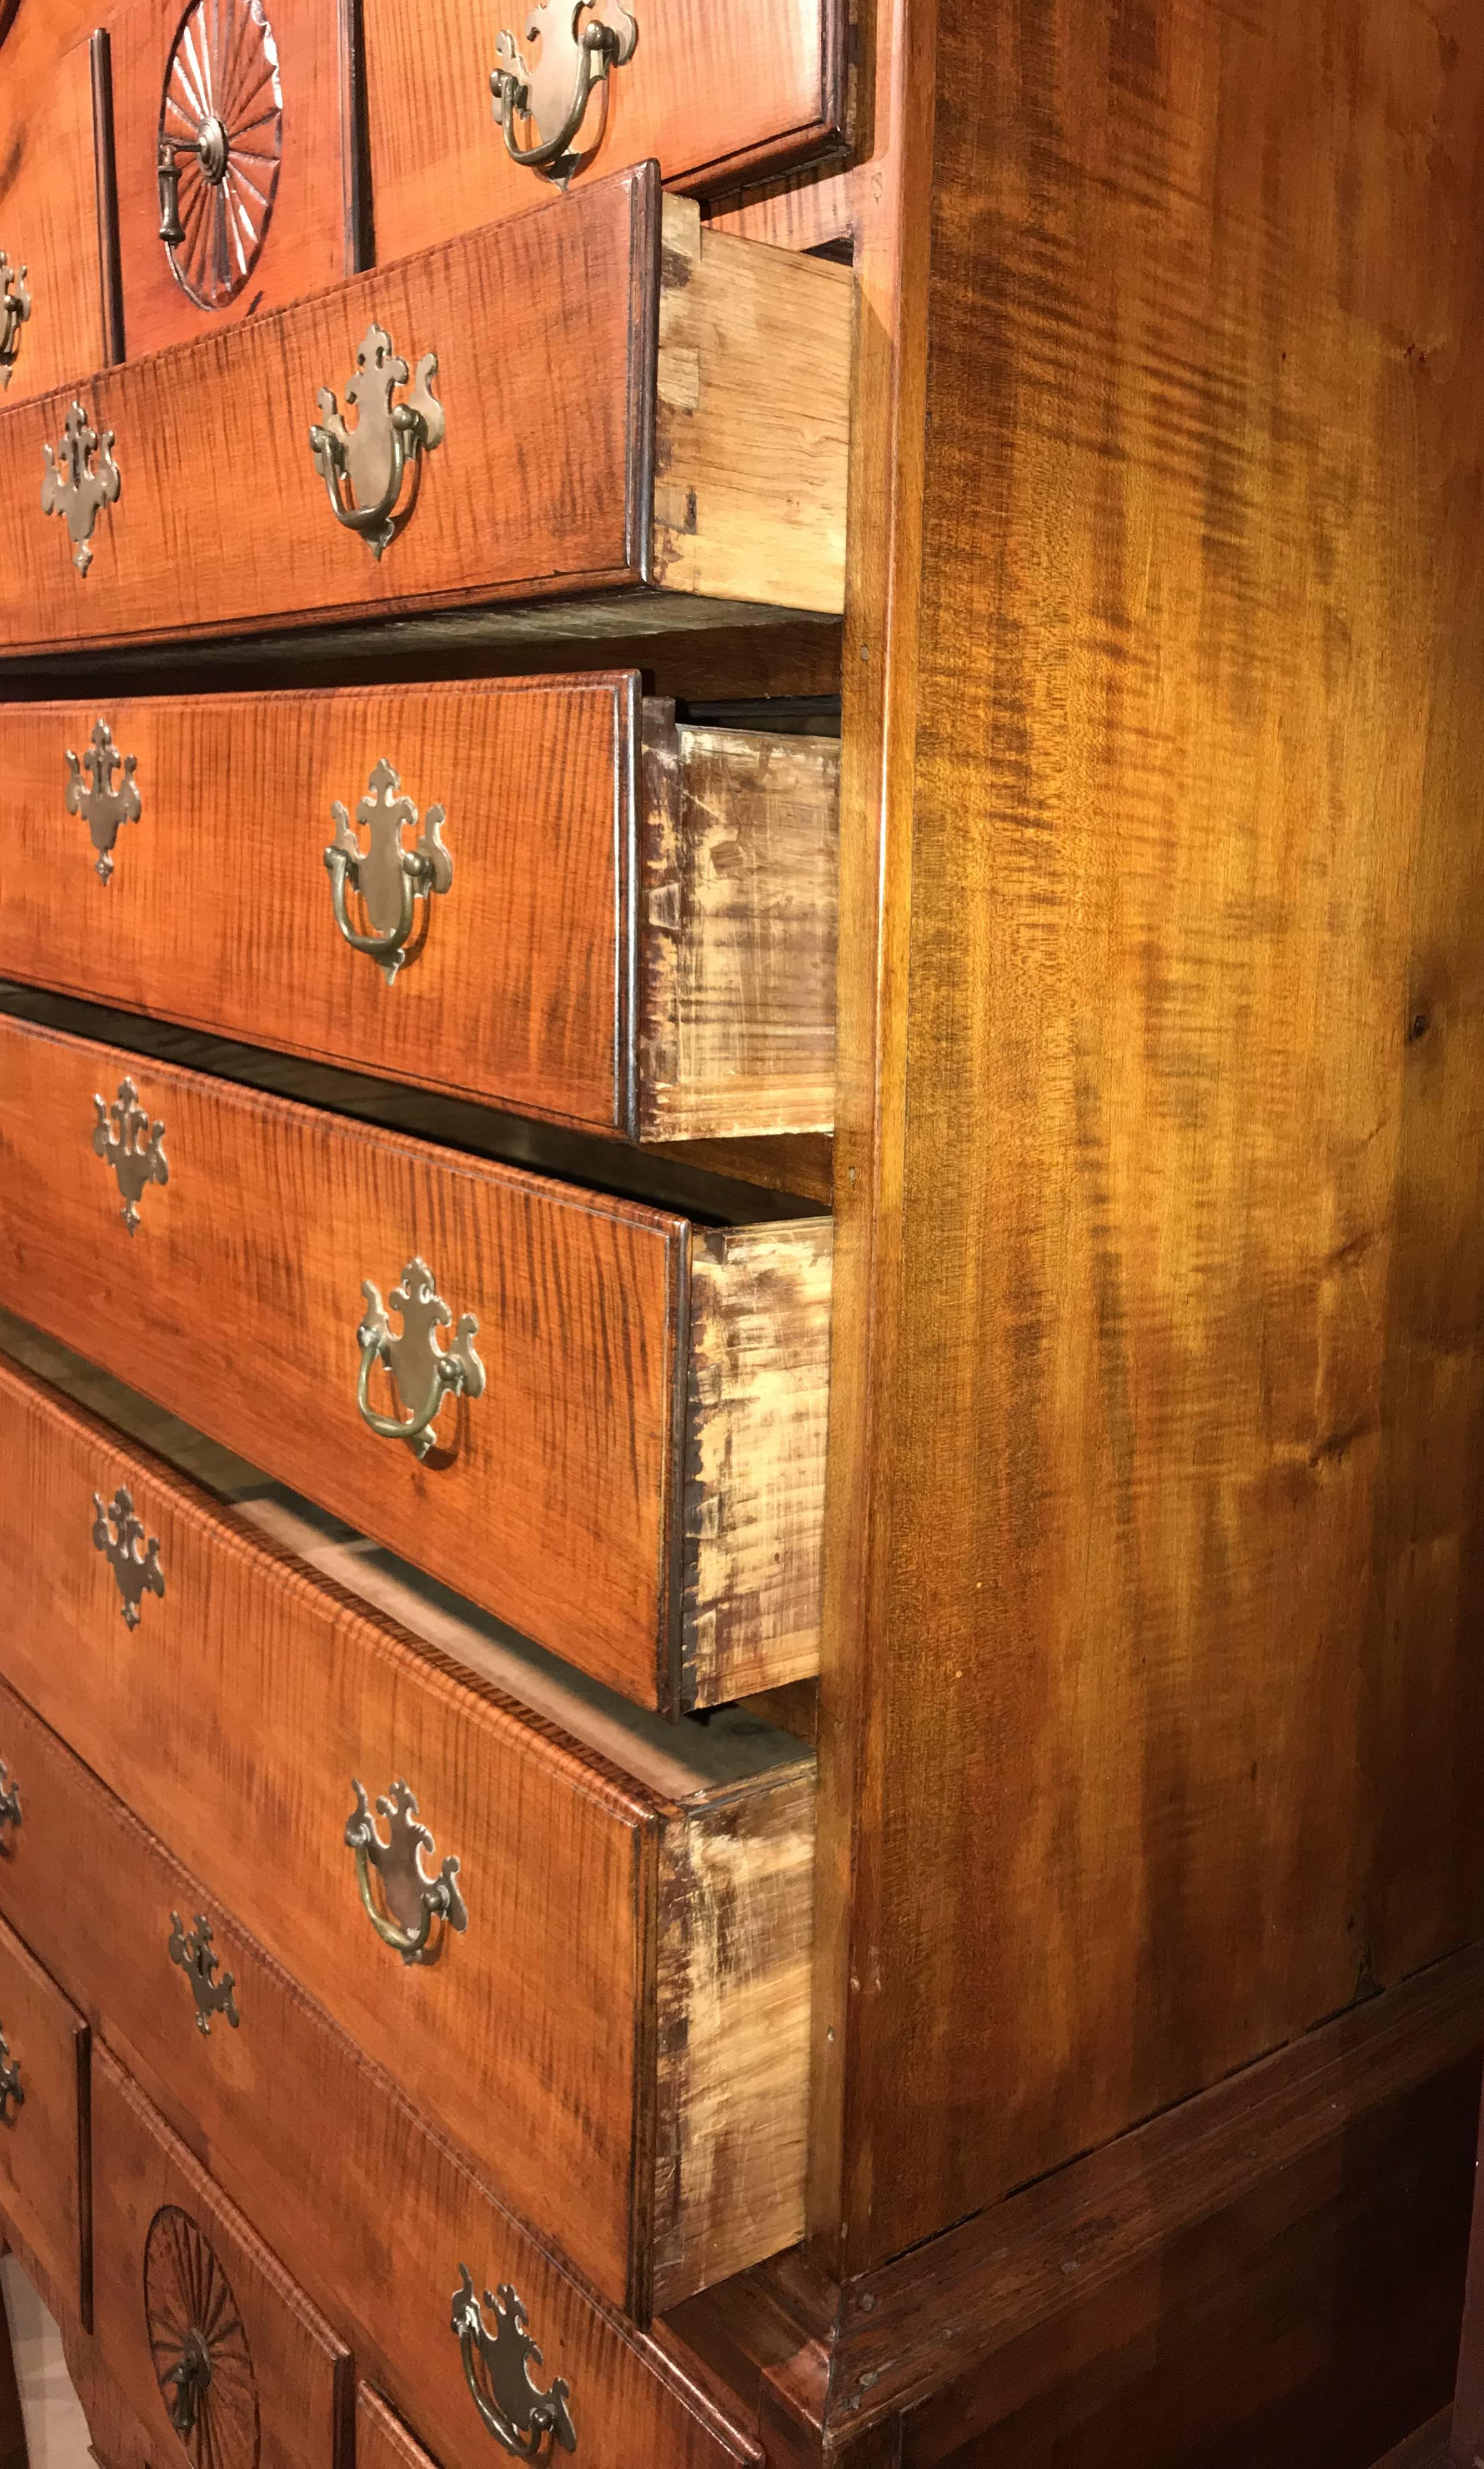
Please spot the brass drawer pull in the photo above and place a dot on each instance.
(10, 2085)
(390, 879)
(410, 1901)
(363, 468)
(198, 1962)
(202, 2363)
(14, 310)
(423, 1373)
(75, 486)
(497, 2370)
(136, 1162)
(118, 1531)
(103, 807)
(552, 99)
(10, 1804)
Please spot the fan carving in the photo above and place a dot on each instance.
(202, 2363)
(221, 129)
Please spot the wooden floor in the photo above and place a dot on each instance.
(1427, 2449)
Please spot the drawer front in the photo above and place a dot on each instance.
(210, 2341)
(43, 2114)
(727, 371)
(376, 2221)
(713, 90)
(553, 1497)
(53, 330)
(174, 856)
(254, 102)
(381, 2440)
(611, 1977)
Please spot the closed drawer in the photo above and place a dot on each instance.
(639, 1486)
(51, 293)
(714, 90)
(375, 2217)
(43, 2112)
(624, 1983)
(634, 932)
(663, 422)
(381, 2440)
(248, 104)
(210, 2341)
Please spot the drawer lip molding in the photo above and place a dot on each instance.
(693, 393)
(647, 1507)
(368, 2208)
(637, 937)
(628, 1991)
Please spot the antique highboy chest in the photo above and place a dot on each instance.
(741, 1293)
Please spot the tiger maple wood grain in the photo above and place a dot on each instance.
(301, 2376)
(49, 213)
(519, 985)
(547, 2013)
(713, 87)
(381, 2440)
(45, 2198)
(557, 422)
(370, 2211)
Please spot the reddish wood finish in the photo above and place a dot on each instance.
(559, 423)
(49, 214)
(645, 950)
(715, 87)
(281, 2389)
(44, 2176)
(381, 2440)
(616, 1982)
(371, 2213)
(309, 240)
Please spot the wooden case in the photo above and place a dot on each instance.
(203, 2330)
(44, 2178)
(629, 1998)
(621, 417)
(638, 936)
(716, 91)
(280, 219)
(372, 2213)
(54, 223)
(639, 1488)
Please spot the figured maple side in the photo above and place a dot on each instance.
(737, 936)
(558, 421)
(371, 2212)
(281, 2385)
(309, 236)
(516, 990)
(44, 2183)
(714, 87)
(576, 1829)
(49, 212)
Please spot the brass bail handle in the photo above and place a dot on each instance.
(410, 1902)
(389, 878)
(553, 96)
(365, 468)
(422, 1372)
(526, 2422)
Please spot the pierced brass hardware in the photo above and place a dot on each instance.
(136, 1162)
(364, 468)
(14, 311)
(529, 2424)
(390, 878)
(10, 2085)
(551, 100)
(423, 1373)
(195, 1956)
(9, 1806)
(75, 486)
(410, 1901)
(103, 807)
(118, 1534)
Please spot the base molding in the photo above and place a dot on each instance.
(1271, 2272)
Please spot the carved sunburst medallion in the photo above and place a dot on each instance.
(202, 2363)
(221, 124)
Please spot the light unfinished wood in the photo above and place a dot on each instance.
(543, 981)
(369, 2209)
(659, 2105)
(45, 2198)
(758, 1387)
(738, 940)
(48, 216)
(752, 425)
